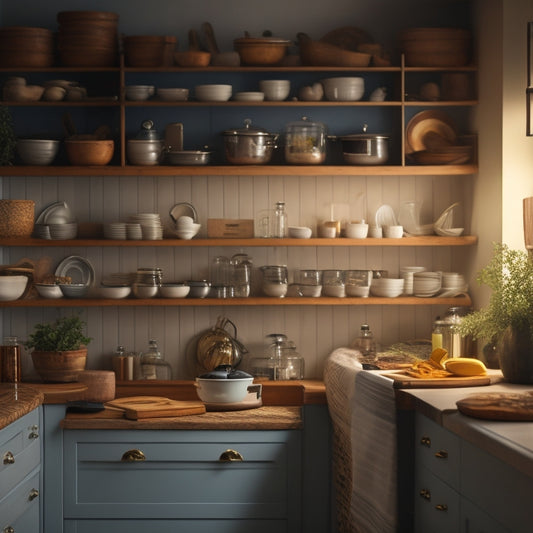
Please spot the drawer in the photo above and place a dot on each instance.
(182, 474)
(437, 449)
(176, 526)
(20, 450)
(21, 505)
(437, 505)
(481, 473)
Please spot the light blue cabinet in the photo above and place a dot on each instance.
(182, 480)
(20, 475)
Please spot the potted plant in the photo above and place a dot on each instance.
(507, 321)
(59, 349)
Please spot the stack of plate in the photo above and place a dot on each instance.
(453, 283)
(426, 284)
(78, 269)
(151, 226)
(115, 230)
(56, 222)
(387, 287)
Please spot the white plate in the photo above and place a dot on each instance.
(183, 209)
(42, 216)
(77, 268)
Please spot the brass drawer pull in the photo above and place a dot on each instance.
(34, 493)
(441, 507)
(132, 456)
(425, 493)
(230, 456)
(441, 454)
(425, 441)
(34, 432)
(9, 458)
(9, 529)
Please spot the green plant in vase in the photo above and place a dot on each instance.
(508, 318)
(59, 349)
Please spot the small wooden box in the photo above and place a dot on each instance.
(230, 228)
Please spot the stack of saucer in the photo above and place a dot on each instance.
(426, 284)
(151, 226)
(115, 230)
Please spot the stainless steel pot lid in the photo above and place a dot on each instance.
(362, 136)
(248, 130)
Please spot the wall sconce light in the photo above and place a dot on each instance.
(529, 89)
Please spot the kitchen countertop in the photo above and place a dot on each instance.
(17, 401)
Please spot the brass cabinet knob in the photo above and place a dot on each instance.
(9, 458)
(425, 441)
(425, 493)
(34, 493)
(441, 454)
(34, 432)
(441, 507)
(230, 456)
(132, 456)
(9, 529)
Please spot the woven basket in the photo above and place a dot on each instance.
(16, 218)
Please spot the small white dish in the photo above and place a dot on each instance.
(356, 231)
(249, 96)
(375, 232)
(49, 290)
(174, 290)
(393, 232)
(300, 232)
(450, 232)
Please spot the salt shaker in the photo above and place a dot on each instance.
(280, 221)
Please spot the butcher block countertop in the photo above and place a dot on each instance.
(17, 401)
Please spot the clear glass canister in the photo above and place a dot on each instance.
(305, 142)
(153, 364)
(10, 370)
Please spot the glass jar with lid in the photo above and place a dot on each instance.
(305, 142)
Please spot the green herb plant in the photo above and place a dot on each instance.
(63, 335)
(8, 139)
(509, 275)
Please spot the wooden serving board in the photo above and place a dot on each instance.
(139, 407)
(498, 406)
(404, 381)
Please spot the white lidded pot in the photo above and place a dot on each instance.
(225, 385)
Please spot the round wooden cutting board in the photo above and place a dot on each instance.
(498, 406)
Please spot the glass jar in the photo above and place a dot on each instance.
(275, 280)
(365, 343)
(10, 370)
(280, 221)
(153, 364)
(333, 283)
(305, 142)
(241, 272)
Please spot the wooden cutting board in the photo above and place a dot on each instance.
(498, 405)
(404, 381)
(139, 407)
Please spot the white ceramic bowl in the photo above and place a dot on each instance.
(249, 96)
(49, 290)
(393, 232)
(174, 290)
(174, 94)
(222, 390)
(213, 92)
(387, 287)
(187, 232)
(74, 290)
(357, 291)
(139, 92)
(141, 290)
(344, 89)
(114, 293)
(356, 231)
(198, 289)
(275, 90)
(300, 232)
(310, 291)
(63, 231)
(37, 151)
(12, 287)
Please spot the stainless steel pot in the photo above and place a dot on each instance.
(249, 146)
(365, 148)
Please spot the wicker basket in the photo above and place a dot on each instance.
(16, 218)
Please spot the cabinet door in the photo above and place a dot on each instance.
(20, 508)
(475, 520)
(181, 475)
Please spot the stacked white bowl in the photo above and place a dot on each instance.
(275, 90)
(56, 222)
(151, 226)
(115, 230)
(173, 94)
(37, 151)
(213, 92)
(139, 92)
(453, 282)
(426, 284)
(387, 287)
(186, 228)
(407, 273)
(344, 89)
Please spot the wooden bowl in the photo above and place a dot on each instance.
(84, 152)
(259, 52)
(61, 367)
(192, 58)
(320, 54)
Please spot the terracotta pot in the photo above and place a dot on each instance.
(515, 349)
(63, 367)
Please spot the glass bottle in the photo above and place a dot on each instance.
(119, 363)
(153, 364)
(10, 371)
(294, 361)
(437, 334)
(241, 275)
(280, 221)
(365, 343)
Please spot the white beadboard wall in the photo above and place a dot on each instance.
(315, 330)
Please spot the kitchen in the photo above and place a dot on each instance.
(503, 152)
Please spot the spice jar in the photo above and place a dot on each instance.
(305, 142)
(10, 371)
